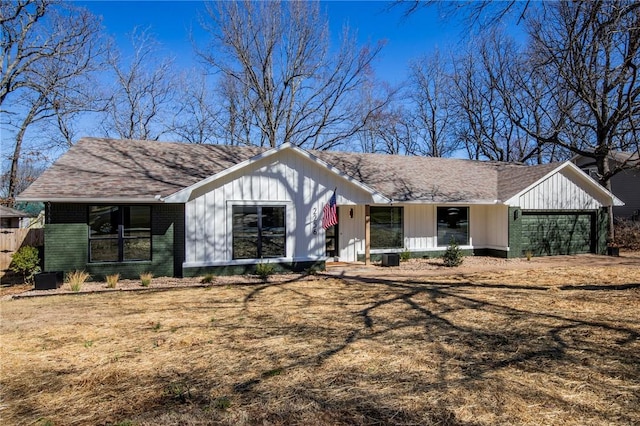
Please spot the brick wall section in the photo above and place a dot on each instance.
(67, 241)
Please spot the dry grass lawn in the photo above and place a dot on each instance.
(548, 346)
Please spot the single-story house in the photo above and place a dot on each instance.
(12, 218)
(625, 184)
(179, 209)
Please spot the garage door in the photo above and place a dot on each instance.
(558, 233)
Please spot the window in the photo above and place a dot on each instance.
(453, 222)
(119, 233)
(387, 230)
(258, 232)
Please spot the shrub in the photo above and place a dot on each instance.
(627, 234)
(405, 255)
(264, 270)
(26, 262)
(453, 255)
(207, 279)
(112, 280)
(76, 279)
(222, 403)
(145, 279)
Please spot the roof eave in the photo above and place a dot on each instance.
(451, 202)
(86, 200)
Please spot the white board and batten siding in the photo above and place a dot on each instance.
(559, 192)
(289, 180)
(488, 228)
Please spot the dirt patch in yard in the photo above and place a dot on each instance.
(588, 266)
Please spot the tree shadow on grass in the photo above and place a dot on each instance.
(556, 343)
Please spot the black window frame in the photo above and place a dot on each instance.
(261, 234)
(374, 213)
(451, 221)
(121, 222)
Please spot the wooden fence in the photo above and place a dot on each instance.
(12, 239)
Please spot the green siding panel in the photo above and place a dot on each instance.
(65, 246)
(66, 243)
(554, 233)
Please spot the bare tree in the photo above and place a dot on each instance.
(591, 51)
(481, 125)
(48, 51)
(478, 13)
(237, 118)
(430, 93)
(277, 56)
(378, 117)
(581, 76)
(195, 119)
(143, 91)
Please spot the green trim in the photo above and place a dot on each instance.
(514, 220)
(602, 229)
(245, 269)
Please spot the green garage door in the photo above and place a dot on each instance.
(552, 233)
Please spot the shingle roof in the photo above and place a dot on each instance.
(126, 169)
(110, 168)
(430, 179)
(9, 212)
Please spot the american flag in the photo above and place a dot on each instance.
(330, 213)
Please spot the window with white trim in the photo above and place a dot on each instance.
(387, 228)
(453, 224)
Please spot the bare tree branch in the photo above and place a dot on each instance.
(277, 62)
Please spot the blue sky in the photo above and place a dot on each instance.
(171, 21)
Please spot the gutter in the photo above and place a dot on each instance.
(114, 200)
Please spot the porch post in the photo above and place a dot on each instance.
(367, 234)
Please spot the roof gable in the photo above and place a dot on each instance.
(185, 194)
(586, 181)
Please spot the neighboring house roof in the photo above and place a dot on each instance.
(9, 212)
(148, 171)
(631, 158)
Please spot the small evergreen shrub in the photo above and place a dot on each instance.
(264, 270)
(76, 279)
(405, 255)
(453, 255)
(26, 262)
(145, 279)
(112, 280)
(207, 279)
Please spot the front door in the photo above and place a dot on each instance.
(331, 245)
